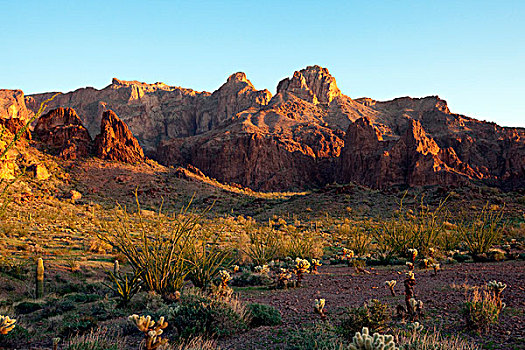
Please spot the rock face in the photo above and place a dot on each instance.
(116, 142)
(13, 111)
(61, 130)
(308, 134)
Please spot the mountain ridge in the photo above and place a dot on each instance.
(302, 136)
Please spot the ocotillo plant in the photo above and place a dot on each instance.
(39, 278)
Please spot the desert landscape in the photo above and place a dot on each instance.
(241, 220)
(279, 175)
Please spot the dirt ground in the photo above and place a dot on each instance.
(443, 295)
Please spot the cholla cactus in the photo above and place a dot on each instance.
(6, 324)
(426, 263)
(301, 267)
(348, 254)
(262, 269)
(410, 275)
(412, 254)
(415, 307)
(319, 307)
(415, 327)
(410, 282)
(497, 288)
(225, 276)
(410, 265)
(151, 330)
(315, 263)
(283, 278)
(363, 341)
(431, 252)
(390, 285)
(223, 290)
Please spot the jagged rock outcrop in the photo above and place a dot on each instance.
(116, 142)
(62, 132)
(12, 105)
(308, 134)
(313, 84)
(13, 112)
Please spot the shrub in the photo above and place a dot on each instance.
(373, 315)
(306, 245)
(124, 285)
(420, 229)
(16, 338)
(433, 341)
(248, 278)
(27, 307)
(481, 310)
(483, 231)
(197, 343)
(197, 315)
(154, 246)
(321, 336)
(96, 340)
(263, 315)
(263, 245)
(206, 259)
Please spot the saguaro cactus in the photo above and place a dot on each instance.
(39, 278)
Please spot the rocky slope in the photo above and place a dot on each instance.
(308, 134)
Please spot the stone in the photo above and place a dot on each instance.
(39, 172)
(116, 142)
(74, 196)
(62, 132)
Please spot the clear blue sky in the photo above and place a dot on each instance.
(471, 53)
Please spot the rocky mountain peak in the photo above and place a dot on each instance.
(314, 84)
(116, 142)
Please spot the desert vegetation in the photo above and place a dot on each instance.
(212, 268)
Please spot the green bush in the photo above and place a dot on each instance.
(374, 315)
(263, 315)
(321, 336)
(27, 307)
(197, 314)
(481, 311)
(248, 278)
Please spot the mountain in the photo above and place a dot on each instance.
(307, 135)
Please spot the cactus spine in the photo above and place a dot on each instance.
(39, 278)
